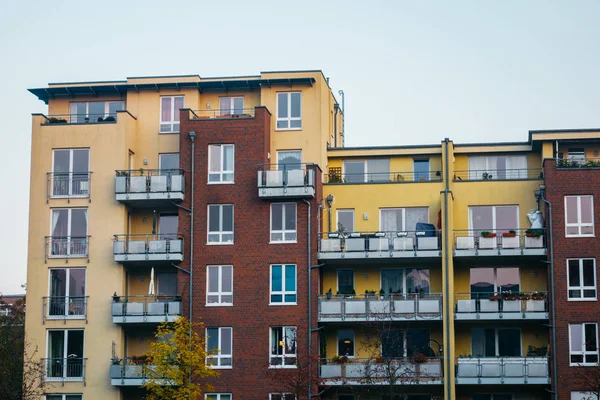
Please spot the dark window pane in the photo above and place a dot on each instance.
(213, 218)
(590, 337)
(574, 273)
(228, 218)
(282, 105)
(588, 273)
(589, 293)
(276, 217)
(509, 343)
(346, 342)
(345, 281)
(417, 341)
(392, 343)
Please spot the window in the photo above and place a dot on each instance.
(220, 223)
(220, 163)
(486, 281)
(493, 218)
(581, 277)
(65, 354)
(219, 344)
(281, 396)
(345, 342)
(231, 105)
(217, 396)
(219, 283)
(169, 113)
(283, 222)
(68, 232)
(71, 173)
(489, 342)
(345, 220)
(402, 219)
(63, 397)
(583, 396)
(497, 167)
(95, 111)
(289, 110)
(168, 226)
(583, 343)
(373, 170)
(283, 346)
(579, 212)
(577, 155)
(421, 170)
(406, 280)
(166, 283)
(67, 293)
(404, 343)
(291, 159)
(345, 281)
(168, 163)
(283, 284)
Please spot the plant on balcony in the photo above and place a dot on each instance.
(110, 118)
(538, 296)
(438, 173)
(494, 297)
(141, 171)
(115, 361)
(509, 295)
(486, 176)
(54, 120)
(116, 298)
(486, 234)
(338, 360)
(510, 233)
(562, 163)
(419, 358)
(122, 173)
(143, 359)
(329, 294)
(534, 232)
(523, 296)
(369, 293)
(381, 293)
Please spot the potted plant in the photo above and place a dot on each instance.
(510, 233)
(143, 359)
(419, 358)
(110, 118)
(510, 240)
(509, 295)
(54, 120)
(329, 294)
(487, 240)
(116, 298)
(486, 176)
(379, 360)
(486, 234)
(381, 293)
(494, 297)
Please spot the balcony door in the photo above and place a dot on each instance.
(486, 281)
(69, 232)
(168, 226)
(70, 173)
(289, 159)
(502, 342)
(65, 354)
(405, 281)
(67, 292)
(497, 219)
(168, 163)
(167, 283)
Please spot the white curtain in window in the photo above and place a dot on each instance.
(477, 166)
(55, 215)
(414, 215)
(516, 167)
(391, 220)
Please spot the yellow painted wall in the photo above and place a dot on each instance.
(461, 162)
(591, 150)
(138, 340)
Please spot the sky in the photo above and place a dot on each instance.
(413, 72)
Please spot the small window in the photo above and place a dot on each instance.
(219, 343)
(283, 223)
(220, 163)
(281, 396)
(168, 163)
(421, 170)
(581, 277)
(289, 110)
(583, 343)
(219, 284)
(289, 159)
(283, 347)
(579, 216)
(345, 220)
(346, 342)
(283, 284)
(169, 113)
(63, 397)
(220, 224)
(345, 278)
(231, 105)
(217, 396)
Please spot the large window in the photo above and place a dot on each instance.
(289, 110)
(166, 283)
(345, 338)
(581, 276)
(71, 173)
(421, 170)
(404, 342)
(345, 281)
(583, 343)
(501, 342)
(485, 281)
(219, 283)
(67, 293)
(493, 218)
(289, 159)
(372, 170)
(65, 354)
(579, 216)
(402, 219)
(69, 232)
(283, 223)
(283, 346)
(345, 220)
(405, 280)
(168, 163)
(95, 111)
(219, 345)
(169, 113)
(497, 167)
(220, 224)
(582, 396)
(220, 163)
(283, 284)
(231, 105)
(168, 226)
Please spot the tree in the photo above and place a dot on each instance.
(591, 382)
(178, 362)
(294, 382)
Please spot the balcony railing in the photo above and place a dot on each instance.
(578, 163)
(64, 369)
(517, 174)
(145, 309)
(65, 307)
(496, 306)
(150, 185)
(502, 370)
(382, 177)
(376, 372)
(132, 372)
(221, 113)
(379, 244)
(62, 119)
(492, 243)
(394, 307)
(136, 248)
(285, 181)
(67, 247)
(68, 185)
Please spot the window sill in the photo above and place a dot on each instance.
(219, 243)
(282, 367)
(583, 365)
(288, 129)
(221, 183)
(283, 304)
(168, 133)
(583, 299)
(218, 367)
(283, 242)
(219, 304)
(580, 236)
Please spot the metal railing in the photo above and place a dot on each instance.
(131, 368)
(282, 175)
(222, 113)
(486, 369)
(68, 185)
(499, 174)
(146, 306)
(384, 177)
(362, 371)
(149, 181)
(60, 119)
(165, 243)
(578, 163)
(64, 369)
(64, 307)
(490, 239)
(67, 247)
(378, 241)
(375, 307)
(501, 303)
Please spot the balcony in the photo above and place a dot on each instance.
(235, 113)
(68, 185)
(335, 176)
(150, 188)
(518, 242)
(516, 174)
(64, 369)
(67, 247)
(130, 372)
(577, 163)
(145, 309)
(64, 307)
(81, 119)
(401, 371)
(379, 245)
(286, 182)
(148, 249)
(395, 307)
(501, 306)
(502, 370)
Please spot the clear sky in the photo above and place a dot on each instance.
(413, 71)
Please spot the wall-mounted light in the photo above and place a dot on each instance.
(145, 161)
(329, 200)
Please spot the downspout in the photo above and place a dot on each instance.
(446, 258)
(192, 136)
(309, 297)
(336, 107)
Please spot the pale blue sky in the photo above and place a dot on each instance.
(413, 71)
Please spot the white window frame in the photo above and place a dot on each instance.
(583, 352)
(172, 122)
(282, 396)
(231, 110)
(284, 355)
(70, 174)
(63, 396)
(579, 395)
(67, 297)
(220, 293)
(283, 292)
(160, 161)
(220, 396)
(337, 218)
(283, 231)
(579, 224)
(289, 118)
(222, 171)
(494, 212)
(582, 287)
(65, 355)
(367, 176)
(69, 236)
(87, 108)
(217, 357)
(220, 232)
(403, 209)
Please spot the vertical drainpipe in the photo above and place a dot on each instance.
(336, 107)
(192, 136)
(446, 258)
(309, 298)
